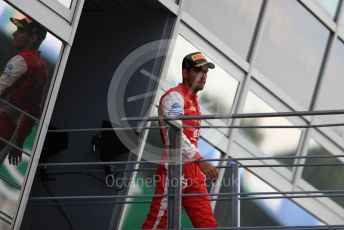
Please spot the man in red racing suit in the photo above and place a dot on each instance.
(21, 86)
(179, 101)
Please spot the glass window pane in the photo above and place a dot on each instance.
(282, 212)
(4, 225)
(292, 49)
(217, 97)
(23, 89)
(66, 3)
(235, 20)
(330, 6)
(322, 177)
(275, 142)
(260, 212)
(10, 185)
(209, 152)
(331, 90)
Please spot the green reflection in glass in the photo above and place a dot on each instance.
(324, 177)
(30, 100)
(275, 142)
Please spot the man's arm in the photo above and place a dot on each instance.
(173, 105)
(23, 130)
(14, 69)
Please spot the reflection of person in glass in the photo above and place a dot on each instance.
(179, 101)
(21, 86)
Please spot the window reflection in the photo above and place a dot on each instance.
(209, 152)
(4, 223)
(284, 212)
(330, 6)
(260, 212)
(323, 177)
(21, 99)
(66, 3)
(219, 92)
(331, 90)
(232, 21)
(291, 52)
(276, 142)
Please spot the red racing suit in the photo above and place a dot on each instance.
(21, 85)
(176, 102)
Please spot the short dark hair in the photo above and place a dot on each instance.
(196, 59)
(32, 27)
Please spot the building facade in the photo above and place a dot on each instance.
(108, 60)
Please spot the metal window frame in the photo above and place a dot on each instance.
(221, 60)
(50, 19)
(334, 38)
(280, 183)
(64, 31)
(217, 43)
(302, 184)
(254, 75)
(275, 88)
(333, 24)
(66, 34)
(40, 137)
(173, 7)
(65, 12)
(279, 105)
(320, 13)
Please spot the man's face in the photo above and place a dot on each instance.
(196, 77)
(23, 39)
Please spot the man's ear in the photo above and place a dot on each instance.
(185, 73)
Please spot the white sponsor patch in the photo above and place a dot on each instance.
(175, 110)
(8, 70)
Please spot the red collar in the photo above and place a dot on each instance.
(187, 92)
(35, 52)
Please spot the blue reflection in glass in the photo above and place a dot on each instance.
(208, 151)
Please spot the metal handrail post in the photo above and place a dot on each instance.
(235, 186)
(174, 177)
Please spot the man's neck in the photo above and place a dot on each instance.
(189, 87)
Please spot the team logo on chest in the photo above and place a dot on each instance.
(192, 108)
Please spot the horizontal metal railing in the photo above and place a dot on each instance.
(242, 115)
(305, 227)
(235, 197)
